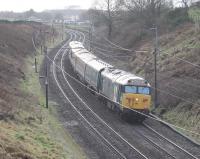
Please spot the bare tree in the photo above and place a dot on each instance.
(149, 10)
(109, 18)
(186, 3)
(107, 10)
(29, 13)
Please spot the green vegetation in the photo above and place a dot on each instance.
(36, 132)
(177, 17)
(188, 120)
(178, 30)
(194, 14)
(18, 22)
(182, 43)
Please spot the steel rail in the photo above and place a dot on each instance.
(159, 147)
(175, 144)
(59, 86)
(168, 140)
(154, 144)
(130, 109)
(88, 107)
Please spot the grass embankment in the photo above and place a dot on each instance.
(185, 114)
(35, 132)
(186, 120)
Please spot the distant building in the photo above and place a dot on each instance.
(34, 19)
(196, 4)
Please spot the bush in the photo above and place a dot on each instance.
(177, 17)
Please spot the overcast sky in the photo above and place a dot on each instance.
(40, 5)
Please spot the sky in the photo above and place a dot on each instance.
(40, 5)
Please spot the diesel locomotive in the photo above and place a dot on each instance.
(122, 91)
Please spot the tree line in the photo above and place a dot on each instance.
(144, 13)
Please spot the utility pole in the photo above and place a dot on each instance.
(90, 35)
(41, 49)
(155, 67)
(46, 68)
(35, 53)
(62, 29)
(46, 75)
(75, 23)
(53, 32)
(36, 65)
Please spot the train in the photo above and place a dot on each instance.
(124, 92)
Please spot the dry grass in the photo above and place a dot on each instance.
(175, 77)
(27, 129)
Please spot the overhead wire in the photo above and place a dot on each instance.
(118, 103)
(178, 58)
(135, 110)
(77, 81)
(183, 60)
(159, 75)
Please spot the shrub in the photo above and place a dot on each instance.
(177, 17)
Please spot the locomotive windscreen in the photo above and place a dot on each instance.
(137, 90)
(143, 90)
(130, 89)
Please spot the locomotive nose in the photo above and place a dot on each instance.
(136, 101)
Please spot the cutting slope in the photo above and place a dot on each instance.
(27, 129)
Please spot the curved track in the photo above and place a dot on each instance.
(120, 146)
(108, 135)
(160, 141)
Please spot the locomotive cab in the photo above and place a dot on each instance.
(136, 97)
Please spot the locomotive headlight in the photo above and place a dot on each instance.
(137, 99)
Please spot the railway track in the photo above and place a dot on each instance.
(174, 148)
(108, 135)
(117, 144)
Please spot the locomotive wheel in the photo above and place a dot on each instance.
(109, 105)
(113, 107)
(123, 116)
